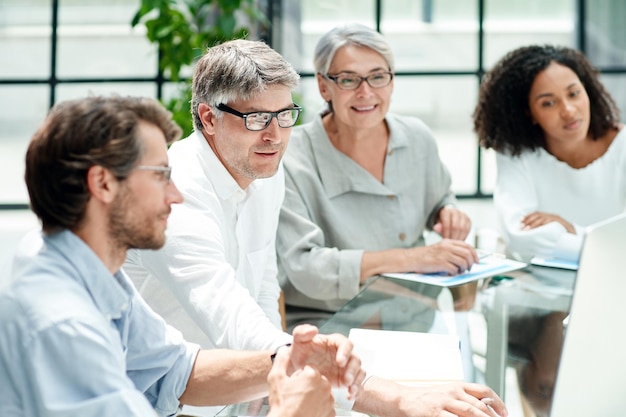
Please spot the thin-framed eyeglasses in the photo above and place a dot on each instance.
(353, 81)
(166, 172)
(259, 120)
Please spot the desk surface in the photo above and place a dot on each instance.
(522, 326)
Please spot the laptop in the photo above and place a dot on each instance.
(591, 376)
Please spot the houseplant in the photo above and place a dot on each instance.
(183, 29)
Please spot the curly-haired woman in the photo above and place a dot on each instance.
(561, 149)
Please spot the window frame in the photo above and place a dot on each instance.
(273, 11)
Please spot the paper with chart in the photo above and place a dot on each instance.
(489, 266)
(555, 263)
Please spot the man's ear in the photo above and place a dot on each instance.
(102, 184)
(207, 117)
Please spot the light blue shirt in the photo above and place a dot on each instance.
(78, 341)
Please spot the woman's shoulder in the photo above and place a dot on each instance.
(532, 160)
(619, 141)
(304, 133)
(302, 141)
(411, 129)
(616, 151)
(407, 122)
(309, 131)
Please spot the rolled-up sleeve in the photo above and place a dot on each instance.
(515, 197)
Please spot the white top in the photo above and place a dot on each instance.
(215, 278)
(537, 181)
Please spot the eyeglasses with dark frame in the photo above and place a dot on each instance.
(259, 120)
(353, 81)
(166, 172)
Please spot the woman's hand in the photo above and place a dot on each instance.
(388, 399)
(452, 223)
(448, 256)
(457, 399)
(538, 218)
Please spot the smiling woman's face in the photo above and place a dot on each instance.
(559, 103)
(364, 106)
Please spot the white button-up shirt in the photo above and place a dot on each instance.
(216, 277)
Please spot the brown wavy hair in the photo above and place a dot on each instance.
(77, 135)
(502, 117)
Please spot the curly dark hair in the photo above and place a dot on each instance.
(502, 117)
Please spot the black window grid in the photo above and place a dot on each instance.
(273, 11)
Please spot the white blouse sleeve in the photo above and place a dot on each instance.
(514, 197)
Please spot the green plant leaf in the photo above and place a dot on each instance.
(227, 24)
(183, 29)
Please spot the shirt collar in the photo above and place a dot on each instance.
(224, 184)
(338, 172)
(110, 293)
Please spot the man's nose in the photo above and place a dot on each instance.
(173, 195)
(272, 132)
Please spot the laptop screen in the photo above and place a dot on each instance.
(591, 375)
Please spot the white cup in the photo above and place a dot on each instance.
(487, 239)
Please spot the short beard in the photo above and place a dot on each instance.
(131, 232)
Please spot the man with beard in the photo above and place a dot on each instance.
(76, 339)
(216, 278)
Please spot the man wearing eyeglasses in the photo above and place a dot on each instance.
(216, 277)
(76, 339)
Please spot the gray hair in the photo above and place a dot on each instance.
(237, 70)
(354, 34)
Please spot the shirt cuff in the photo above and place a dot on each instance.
(568, 247)
(341, 399)
(348, 281)
(282, 340)
(273, 355)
